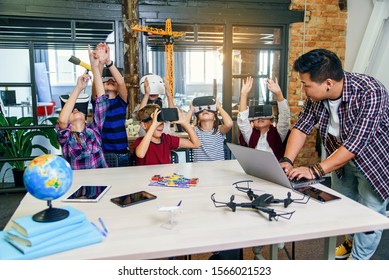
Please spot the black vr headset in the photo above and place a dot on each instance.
(260, 112)
(81, 103)
(204, 103)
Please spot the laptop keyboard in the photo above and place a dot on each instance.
(305, 182)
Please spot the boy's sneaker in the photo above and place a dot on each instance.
(343, 251)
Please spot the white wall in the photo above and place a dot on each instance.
(358, 15)
(368, 38)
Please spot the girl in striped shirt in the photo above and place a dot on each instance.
(210, 130)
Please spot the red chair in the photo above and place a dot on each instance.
(45, 109)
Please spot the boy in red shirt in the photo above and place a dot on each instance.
(155, 146)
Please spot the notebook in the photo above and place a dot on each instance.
(264, 165)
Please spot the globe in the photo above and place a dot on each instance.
(48, 177)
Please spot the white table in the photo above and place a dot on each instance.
(135, 232)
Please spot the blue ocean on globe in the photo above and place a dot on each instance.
(48, 177)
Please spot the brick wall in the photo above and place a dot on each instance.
(325, 27)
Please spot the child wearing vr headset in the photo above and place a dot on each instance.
(256, 123)
(208, 127)
(114, 134)
(152, 87)
(81, 143)
(155, 146)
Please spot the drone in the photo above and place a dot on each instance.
(260, 202)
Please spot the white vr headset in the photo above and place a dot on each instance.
(157, 86)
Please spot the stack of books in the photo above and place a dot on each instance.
(28, 239)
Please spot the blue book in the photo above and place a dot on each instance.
(9, 252)
(14, 235)
(82, 228)
(29, 228)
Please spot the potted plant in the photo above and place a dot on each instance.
(18, 143)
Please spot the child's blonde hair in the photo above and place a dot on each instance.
(146, 111)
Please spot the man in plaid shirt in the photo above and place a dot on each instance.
(352, 114)
(81, 143)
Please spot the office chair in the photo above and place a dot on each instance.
(174, 157)
(45, 110)
(189, 155)
(111, 159)
(227, 152)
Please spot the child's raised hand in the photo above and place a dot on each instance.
(92, 57)
(154, 117)
(273, 86)
(182, 119)
(247, 85)
(147, 86)
(101, 53)
(167, 88)
(82, 81)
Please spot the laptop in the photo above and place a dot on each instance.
(264, 165)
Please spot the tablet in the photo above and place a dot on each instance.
(318, 195)
(133, 198)
(87, 194)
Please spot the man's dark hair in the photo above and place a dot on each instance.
(321, 64)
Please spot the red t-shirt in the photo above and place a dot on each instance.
(158, 153)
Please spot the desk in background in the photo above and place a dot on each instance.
(135, 232)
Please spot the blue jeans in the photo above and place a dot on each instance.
(355, 186)
(124, 159)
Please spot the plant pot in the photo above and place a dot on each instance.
(18, 177)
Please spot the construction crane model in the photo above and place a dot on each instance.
(169, 37)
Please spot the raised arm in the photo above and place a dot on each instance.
(227, 121)
(143, 146)
(122, 89)
(169, 95)
(246, 87)
(193, 141)
(100, 54)
(64, 116)
(97, 80)
(146, 95)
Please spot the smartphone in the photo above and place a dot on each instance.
(168, 115)
(133, 198)
(318, 195)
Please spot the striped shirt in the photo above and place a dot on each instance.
(114, 133)
(83, 149)
(212, 146)
(363, 126)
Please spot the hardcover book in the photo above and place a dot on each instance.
(9, 252)
(29, 228)
(82, 229)
(16, 236)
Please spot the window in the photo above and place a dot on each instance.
(198, 61)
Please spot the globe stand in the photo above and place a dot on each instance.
(50, 214)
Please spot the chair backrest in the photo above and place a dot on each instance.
(45, 110)
(227, 152)
(111, 159)
(189, 155)
(174, 157)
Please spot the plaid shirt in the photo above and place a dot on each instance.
(83, 149)
(364, 126)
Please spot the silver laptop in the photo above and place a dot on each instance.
(264, 165)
